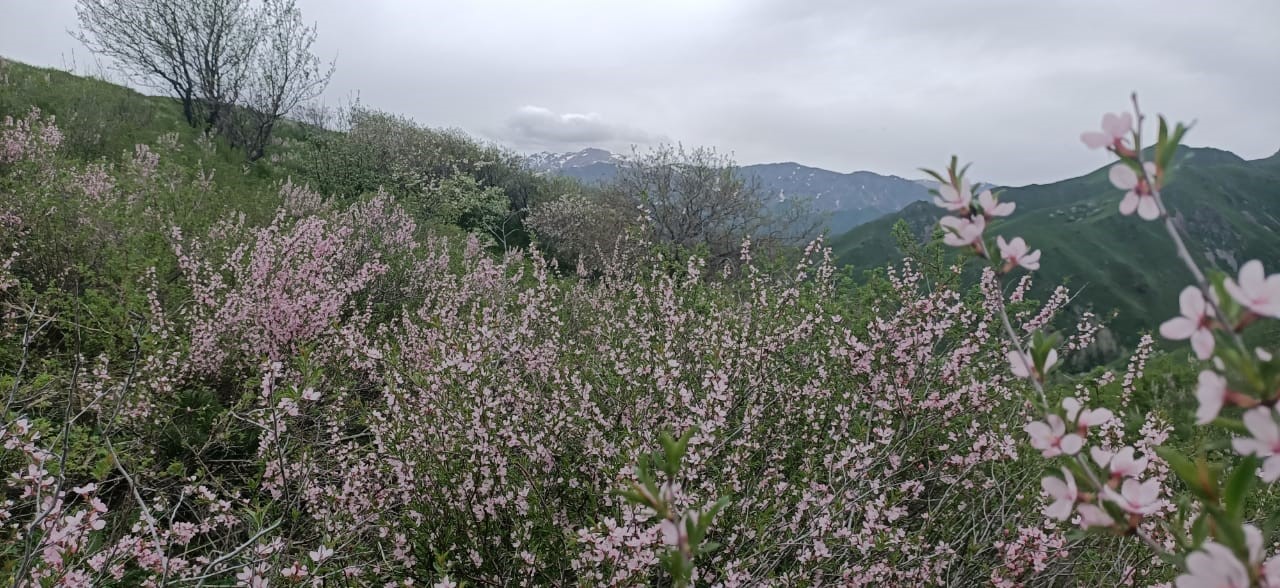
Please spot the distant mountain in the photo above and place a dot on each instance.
(570, 164)
(1230, 208)
(840, 201)
(846, 200)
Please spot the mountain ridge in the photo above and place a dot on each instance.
(839, 200)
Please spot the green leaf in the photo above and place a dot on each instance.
(103, 467)
(935, 175)
(673, 451)
(1226, 531)
(1178, 131)
(1192, 474)
(1170, 146)
(715, 509)
(1236, 492)
(1199, 530)
(1164, 132)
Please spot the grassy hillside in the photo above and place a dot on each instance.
(102, 120)
(1229, 206)
(482, 183)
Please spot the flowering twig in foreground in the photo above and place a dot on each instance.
(1223, 550)
(683, 531)
(966, 227)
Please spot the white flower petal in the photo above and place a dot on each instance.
(1147, 208)
(1123, 177)
(1178, 328)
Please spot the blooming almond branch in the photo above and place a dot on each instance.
(1059, 433)
(1122, 495)
(1223, 549)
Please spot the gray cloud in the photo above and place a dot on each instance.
(538, 128)
(841, 84)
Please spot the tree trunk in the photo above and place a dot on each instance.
(258, 146)
(188, 109)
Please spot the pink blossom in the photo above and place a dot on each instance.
(248, 577)
(1212, 394)
(1253, 542)
(1115, 128)
(1092, 515)
(670, 533)
(991, 207)
(1085, 418)
(1028, 553)
(320, 554)
(311, 394)
(962, 232)
(1213, 566)
(1139, 196)
(1023, 366)
(1140, 498)
(34, 138)
(1265, 442)
(294, 571)
(950, 198)
(1015, 253)
(1063, 492)
(1121, 464)
(1194, 323)
(1256, 291)
(1051, 437)
(1020, 364)
(75, 579)
(1271, 572)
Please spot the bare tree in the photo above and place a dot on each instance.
(318, 115)
(225, 39)
(698, 199)
(584, 229)
(285, 74)
(237, 66)
(150, 41)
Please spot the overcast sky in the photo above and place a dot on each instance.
(886, 86)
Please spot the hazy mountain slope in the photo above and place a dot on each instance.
(1230, 207)
(848, 199)
(841, 201)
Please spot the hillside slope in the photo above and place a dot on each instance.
(1229, 206)
(101, 120)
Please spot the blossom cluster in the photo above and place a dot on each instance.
(31, 138)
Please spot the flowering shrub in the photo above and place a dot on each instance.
(289, 389)
(32, 138)
(281, 292)
(10, 232)
(477, 432)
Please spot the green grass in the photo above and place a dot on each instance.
(102, 120)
